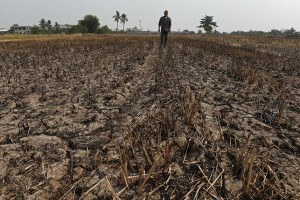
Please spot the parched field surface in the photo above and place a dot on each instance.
(90, 117)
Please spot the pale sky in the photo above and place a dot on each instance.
(230, 15)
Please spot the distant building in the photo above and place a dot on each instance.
(135, 29)
(64, 26)
(3, 31)
(20, 29)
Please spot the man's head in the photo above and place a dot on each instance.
(166, 13)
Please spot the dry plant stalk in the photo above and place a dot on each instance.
(115, 195)
(281, 99)
(158, 161)
(124, 172)
(242, 157)
(92, 188)
(189, 105)
(247, 181)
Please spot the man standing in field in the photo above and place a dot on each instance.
(164, 27)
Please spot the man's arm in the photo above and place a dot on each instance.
(159, 25)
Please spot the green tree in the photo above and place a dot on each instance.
(90, 22)
(117, 18)
(103, 30)
(207, 24)
(275, 32)
(43, 24)
(77, 29)
(36, 30)
(124, 19)
(290, 32)
(49, 25)
(56, 27)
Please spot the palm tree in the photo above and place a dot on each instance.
(124, 19)
(56, 27)
(43, 24)
(49, 25)
(117, 18)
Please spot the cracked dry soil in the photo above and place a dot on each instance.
(118, 117)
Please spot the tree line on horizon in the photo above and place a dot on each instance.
(90, 24)
(209, 26)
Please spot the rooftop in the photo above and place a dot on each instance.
(3, 30)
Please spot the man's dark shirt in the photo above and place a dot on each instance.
(165, 23)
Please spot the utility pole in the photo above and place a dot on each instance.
(140, 25)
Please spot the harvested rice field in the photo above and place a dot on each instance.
(119, 117)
